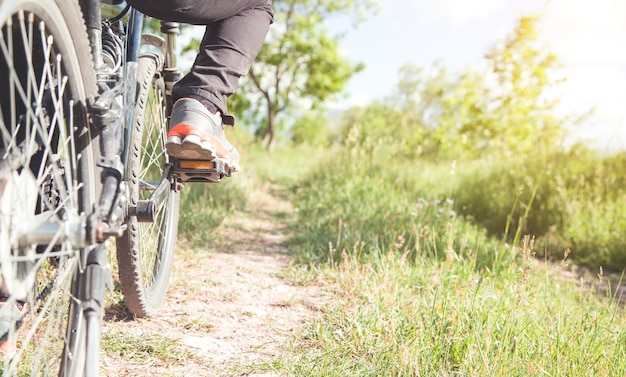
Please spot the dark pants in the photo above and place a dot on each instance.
(235, 31)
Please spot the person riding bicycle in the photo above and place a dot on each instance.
(235, 32)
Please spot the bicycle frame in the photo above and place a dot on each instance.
(84, 146)
(109, 117)
(111, 111)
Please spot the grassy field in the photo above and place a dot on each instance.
(434, 264)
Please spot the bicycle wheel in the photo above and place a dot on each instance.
(47, 184)
(145, 252)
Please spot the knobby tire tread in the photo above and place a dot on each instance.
(144, 301)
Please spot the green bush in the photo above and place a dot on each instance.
(570, 200)
(512, 198)
(312, 128)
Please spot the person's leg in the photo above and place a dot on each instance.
(235, 33)
(227, 51)
(196, 12)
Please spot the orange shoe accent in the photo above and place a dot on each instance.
(8, 347)
(183, 129)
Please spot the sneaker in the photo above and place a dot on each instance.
(196, 134)
(11, 314)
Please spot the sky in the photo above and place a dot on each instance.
(589, 37)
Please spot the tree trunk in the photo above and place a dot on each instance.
(270, 135)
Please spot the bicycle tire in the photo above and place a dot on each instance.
(46, 176)
(145, 252)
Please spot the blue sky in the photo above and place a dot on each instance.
(588, 36)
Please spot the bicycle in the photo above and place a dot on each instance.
(84, 101)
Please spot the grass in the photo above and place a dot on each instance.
(441, 318)
(571, 199)
(204, 206)
(432, 274)
(423, 289)
(143, 348)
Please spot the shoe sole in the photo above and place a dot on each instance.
(191, 147)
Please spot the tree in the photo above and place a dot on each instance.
(311, 128)
(507, 107)
(407, 116)
(300, 61)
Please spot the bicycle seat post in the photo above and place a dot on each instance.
(171, 71)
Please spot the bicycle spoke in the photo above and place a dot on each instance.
(42, 190)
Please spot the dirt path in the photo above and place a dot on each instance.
(227, 311)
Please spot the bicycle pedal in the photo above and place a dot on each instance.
(200, 171)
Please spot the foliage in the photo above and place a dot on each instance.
(501, 109)
(300, 61)
(507, 111)
(569, 200)
(366, 192)
(515, 115)
(311, 128)
(406, 115)
(595, 207)
(513, 197)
